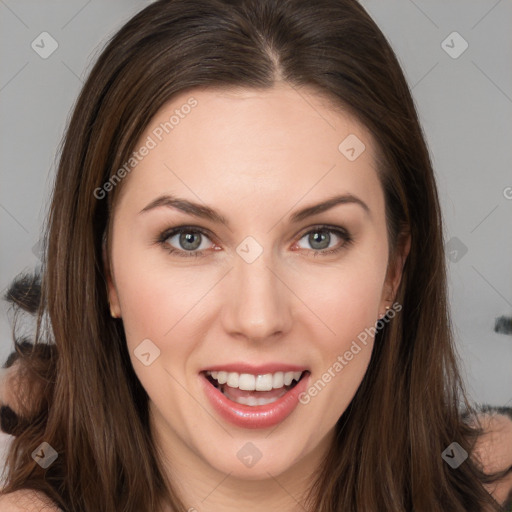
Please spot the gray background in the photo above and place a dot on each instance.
(465, 106)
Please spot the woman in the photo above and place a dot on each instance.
(214, 354)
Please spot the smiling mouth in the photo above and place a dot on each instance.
(254, 390)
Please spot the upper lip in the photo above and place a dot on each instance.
(256, 369)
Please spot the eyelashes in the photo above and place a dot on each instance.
(191, 238)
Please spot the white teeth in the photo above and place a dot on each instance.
(278, 380)
(233, 379)
(251, 400)
(222, 377)
(264, 382)
(288, 377)
(249, 382)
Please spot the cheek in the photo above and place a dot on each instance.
(164, 303)
(346, 299)
(157, 304)
(345, 349)
(150, 299)
(159, 299)
(347, 304)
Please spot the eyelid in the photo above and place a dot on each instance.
(324, 227)
(339, 231)
(171, 232)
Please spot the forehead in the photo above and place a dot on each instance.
(218, 142)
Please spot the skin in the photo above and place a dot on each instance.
(308, 315)
(12, 393)
(256, 157)
(494, 452)
(7, 386)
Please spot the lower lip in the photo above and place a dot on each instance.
(258, 416)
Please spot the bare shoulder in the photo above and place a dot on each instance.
(27, 500)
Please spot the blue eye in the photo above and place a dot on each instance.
(191, 241)
(320, 238)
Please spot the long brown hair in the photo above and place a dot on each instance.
(387, 450)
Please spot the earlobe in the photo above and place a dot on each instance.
(115, 310)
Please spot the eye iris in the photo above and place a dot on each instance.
(319, 240)
(190, 241)
(315, 239)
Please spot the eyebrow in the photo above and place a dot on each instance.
(205, 212)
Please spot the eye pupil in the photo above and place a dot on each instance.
(315, 239)
(190, 240)
(187, 240)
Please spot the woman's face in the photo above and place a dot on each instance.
(251, 287)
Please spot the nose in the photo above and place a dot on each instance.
(258, 304)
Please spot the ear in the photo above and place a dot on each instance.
(113, 299)
(395, 270)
